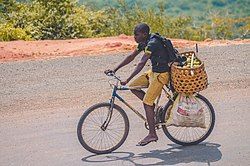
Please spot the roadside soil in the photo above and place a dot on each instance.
(24, 50)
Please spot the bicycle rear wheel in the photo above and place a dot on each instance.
(190, 135)
(96, 139)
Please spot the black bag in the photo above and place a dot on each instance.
(171, 51)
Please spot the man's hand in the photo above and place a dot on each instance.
(109, 72)
(124, 82)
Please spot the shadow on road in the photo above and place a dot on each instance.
(203, 153)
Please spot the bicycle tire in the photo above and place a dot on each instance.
(205, 135)
(87, 113)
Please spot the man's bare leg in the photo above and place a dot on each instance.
(152, 136)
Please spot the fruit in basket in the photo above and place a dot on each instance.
(196, 61)
(196, 65)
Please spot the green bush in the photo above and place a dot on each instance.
(8, 33)
(243, 27)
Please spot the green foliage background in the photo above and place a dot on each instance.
(67, 19)
(197, 9)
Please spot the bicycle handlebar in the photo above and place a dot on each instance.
(112, 74)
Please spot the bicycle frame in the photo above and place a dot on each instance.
(115, 95)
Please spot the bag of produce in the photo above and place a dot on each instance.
(187, 111)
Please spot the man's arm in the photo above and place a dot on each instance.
(127, 60)
(138, 68)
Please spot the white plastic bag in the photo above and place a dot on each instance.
(187, 111)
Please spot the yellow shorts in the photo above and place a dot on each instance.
(154, 82)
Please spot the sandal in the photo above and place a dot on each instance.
(144, 142)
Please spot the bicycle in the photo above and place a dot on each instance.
(104, 127)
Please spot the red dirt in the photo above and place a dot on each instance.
(24, 50)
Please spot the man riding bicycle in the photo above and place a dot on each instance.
(154, 79)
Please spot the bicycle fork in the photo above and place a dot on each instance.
(110, 112)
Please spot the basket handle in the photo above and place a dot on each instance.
(192, 64)
(192, 59)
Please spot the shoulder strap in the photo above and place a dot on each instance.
(168, 45)
(166, 42)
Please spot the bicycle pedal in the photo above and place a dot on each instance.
(157, 126)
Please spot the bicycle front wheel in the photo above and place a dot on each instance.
(93, 137)
(190, 135)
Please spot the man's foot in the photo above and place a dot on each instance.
(147, 140)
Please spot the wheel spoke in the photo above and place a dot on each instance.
(112, 136)
(112, 141)
(117, 133)
(94, 121)
(90, 140)
(113, 120)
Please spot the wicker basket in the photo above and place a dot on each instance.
(187, 80)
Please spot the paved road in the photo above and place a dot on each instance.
(42, 101)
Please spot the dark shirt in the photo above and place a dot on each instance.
(156, 50)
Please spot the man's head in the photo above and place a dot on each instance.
(141, 32)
